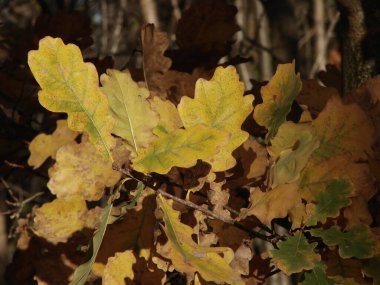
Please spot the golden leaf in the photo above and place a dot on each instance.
(81, 170)
(169, 116)
(188, 257)
(118, 268)
(134, 118)
(70, 85)
(56, 221)
(220, 104)
(276, 203)
(44, 146)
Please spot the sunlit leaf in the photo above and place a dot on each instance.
(71, 86)
(188, 257)
(118, 268)
(180, 148)
(44, 146)
(81, 170)
(56, 221)
(169, 116)
(278, 96)
(219, 103)
(134, 118)
(275, 203)
(290, 149)
(358, 242)
(295, 254)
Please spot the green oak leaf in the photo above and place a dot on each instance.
(317, 276)
(371, 268)
(358, 242)
(330, 201)
(295, 254)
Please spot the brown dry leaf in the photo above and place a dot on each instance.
(118, 268)
(242, 257)
(298, 215)
(155, 64)
(343, 129)
(252, 163)
(357, 213)
(276, 203)
(81, 170)
(56, 221)
(147, 273)
(218, 196)
(44, 146)
(315, 96)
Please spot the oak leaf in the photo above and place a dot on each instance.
(358, 242)
(180, 148)
(317, 276)
(220, 104)
(278, 96)
(295, 254)
(188, 257)
(118, 268)
(371, 268)
(70, 85)
(275, 203)
(81, 170)
(44, 146)
(342, 129)
(56, 221)
(134, 117)
(169, 116)
(291, 148)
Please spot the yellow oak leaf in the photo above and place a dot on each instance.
(44, 146)
(169, 116)
(278, 96)
(56, 221)
(71, 86)
(81, 170)
(118, 268)
(276, 203)
(343, 129)
(180, 148)
(188, 257)
(219, 103)
(134, 118)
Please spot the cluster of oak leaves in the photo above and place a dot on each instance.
(318, 172)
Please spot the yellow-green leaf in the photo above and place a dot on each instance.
(278, 96)
(219, 103)
(81, 170)
(71, 86)
(276, 203)
(44, 146)
(291, 149)
(169, 116)
(180, 148)
(118, 268)
(134, 118)
(188, 257)
(56, 221)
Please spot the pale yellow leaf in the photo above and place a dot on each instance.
(118, 268)
(134, 117)
(44, 146)
(169, 116)
(81, 170)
